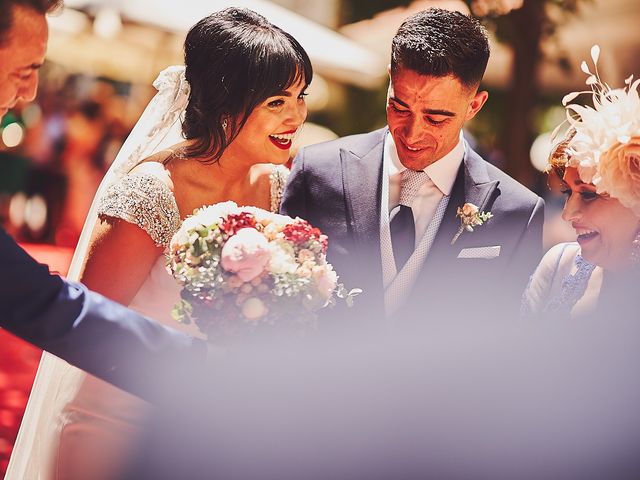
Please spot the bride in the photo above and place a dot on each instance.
(598, 165)
(240, 100)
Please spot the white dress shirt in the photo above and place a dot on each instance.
(442, 175)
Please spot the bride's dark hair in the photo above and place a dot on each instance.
(235, 59)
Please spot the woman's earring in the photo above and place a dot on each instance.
(635, 250)
(224, 124)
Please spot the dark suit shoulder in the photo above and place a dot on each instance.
(509, 186)
(329, 152)
(515, 187)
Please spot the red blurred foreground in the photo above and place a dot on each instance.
(20, 361)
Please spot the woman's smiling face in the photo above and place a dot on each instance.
(605, 228)
(267, 135)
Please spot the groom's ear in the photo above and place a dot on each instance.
(390, 87)
(476, 104)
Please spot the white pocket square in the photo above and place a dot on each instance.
(480, 252)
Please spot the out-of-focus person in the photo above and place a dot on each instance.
(83, 169)
(22, 50)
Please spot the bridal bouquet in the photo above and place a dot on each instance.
(242, 268)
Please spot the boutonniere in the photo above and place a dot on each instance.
(470, 217)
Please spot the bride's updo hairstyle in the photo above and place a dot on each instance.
(235, 59)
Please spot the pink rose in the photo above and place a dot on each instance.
(246, 254)
(619, 171)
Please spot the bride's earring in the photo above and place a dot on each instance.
(224, 124)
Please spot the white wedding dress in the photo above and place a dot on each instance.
(563, 285)
(75, 425)
(97, 428)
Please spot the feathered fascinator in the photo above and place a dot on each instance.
(605, 147)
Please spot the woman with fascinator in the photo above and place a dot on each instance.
(239, 101)
(598, 167)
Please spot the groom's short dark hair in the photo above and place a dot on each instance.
(6, 12)
(438, 43)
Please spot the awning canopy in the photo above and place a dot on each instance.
(165, 22)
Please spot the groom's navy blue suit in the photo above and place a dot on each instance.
(89, 331)
(337, 187)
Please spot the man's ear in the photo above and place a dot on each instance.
(390, 87)
(476, 104)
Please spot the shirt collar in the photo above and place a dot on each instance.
(442, 172)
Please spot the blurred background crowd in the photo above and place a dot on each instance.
(104, 55)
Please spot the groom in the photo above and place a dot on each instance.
(388, 199)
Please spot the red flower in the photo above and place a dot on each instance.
(237, 221)
(300, 232)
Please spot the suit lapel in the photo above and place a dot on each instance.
(478, 186)
(472, 185)
(362, 183)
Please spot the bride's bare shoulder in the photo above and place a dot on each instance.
(156, 166)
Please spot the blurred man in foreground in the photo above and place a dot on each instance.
(59, 316)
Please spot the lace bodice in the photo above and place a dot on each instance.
(146, 201)
(278, 179)
(564, 284)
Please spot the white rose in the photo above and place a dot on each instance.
(261, 215)
(179, 239)
(191, 223)
(282, 261)
(213, 213)
(326, 280)
(271, 231)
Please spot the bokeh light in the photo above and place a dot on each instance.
(12, 135)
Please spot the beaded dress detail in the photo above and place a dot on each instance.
(278, 179)
(145, 201)
(561, 280)
(573, 287)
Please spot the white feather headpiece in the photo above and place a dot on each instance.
(606, 146)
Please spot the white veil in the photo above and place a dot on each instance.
(57, 382)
